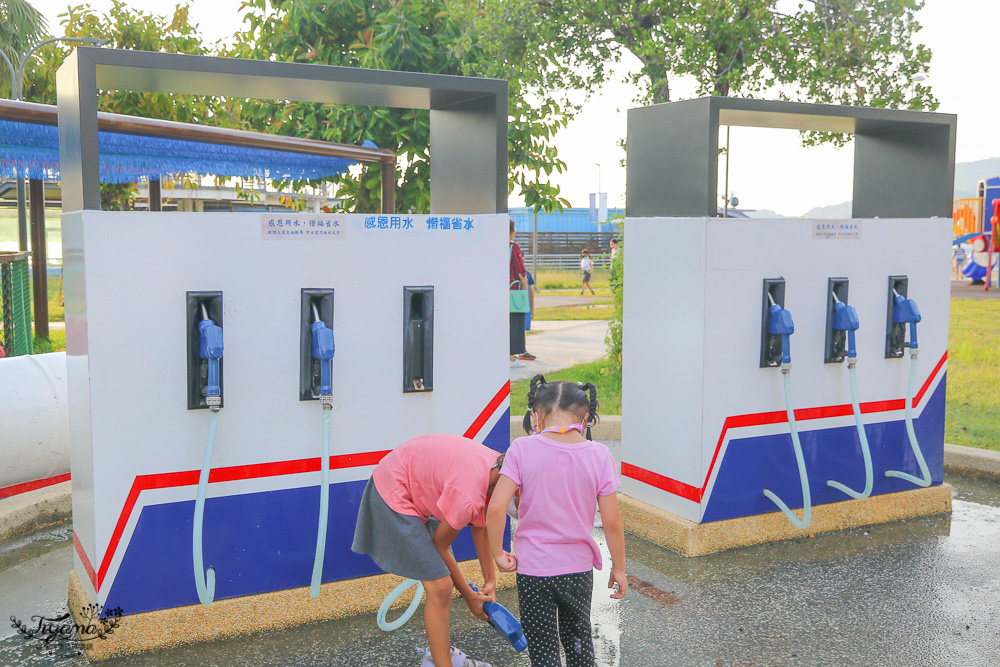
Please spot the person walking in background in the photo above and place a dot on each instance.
(614, 249)
(528, 356)
(586, 267)
(518, 280)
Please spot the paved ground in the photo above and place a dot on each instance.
(961, 289)
(561, 345)
(913, 593)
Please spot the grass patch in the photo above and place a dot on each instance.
(558, 279)
(609, 387)
(57, 309)
(598, 310)
(56, 342)
(972, 412)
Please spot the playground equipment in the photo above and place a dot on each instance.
(974, 220)
(709, 423)
(265, 520)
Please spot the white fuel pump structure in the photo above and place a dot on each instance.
(214, 359)
(709, 431)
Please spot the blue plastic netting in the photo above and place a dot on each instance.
(32, 151)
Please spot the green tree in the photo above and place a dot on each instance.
(21, 27)
(857, 52)
(433, 36)
(128, 28)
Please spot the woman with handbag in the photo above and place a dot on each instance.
(519, 300)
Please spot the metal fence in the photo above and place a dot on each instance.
(561, 250)
(15, 304)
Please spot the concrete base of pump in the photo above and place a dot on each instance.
(168, 628)
(698, 539)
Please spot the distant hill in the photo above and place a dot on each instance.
(836, 211)
(967, 175)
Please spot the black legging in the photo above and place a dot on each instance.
(553, 610)
(517, 345)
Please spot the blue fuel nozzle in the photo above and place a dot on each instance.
(210, 349)
(905, 311)
(845, 318)
(504, 623)
(323, 349)
(779, 323)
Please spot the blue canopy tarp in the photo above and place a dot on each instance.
(31, 151)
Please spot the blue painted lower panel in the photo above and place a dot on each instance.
(257, 543)
(752, 464)
(499, 435)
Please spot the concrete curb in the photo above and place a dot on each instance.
(27, 512)
(971, 461)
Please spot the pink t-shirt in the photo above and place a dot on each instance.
(559, 487)
(439, 475)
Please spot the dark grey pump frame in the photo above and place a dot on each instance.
(904, 161)
(468, 116)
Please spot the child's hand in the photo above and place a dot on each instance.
(489, 589)
(475, 601)
(621, 580)
(506, 562)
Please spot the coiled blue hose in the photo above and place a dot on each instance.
(863, 437)
(803, 477)
(391, 597)
(324, 508)
(925, 473)
(204, 580)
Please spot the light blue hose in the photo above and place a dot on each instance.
(324, 507)
(925, 473)
(391, 597)
(803, 477)
(863, 437)
(204, 580)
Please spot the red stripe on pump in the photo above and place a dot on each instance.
(763, 418)
(490, 409)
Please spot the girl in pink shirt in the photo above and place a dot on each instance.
(561, 477)
(418, 499)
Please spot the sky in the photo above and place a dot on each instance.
(770, 169)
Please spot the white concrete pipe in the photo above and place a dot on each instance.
(34, 425)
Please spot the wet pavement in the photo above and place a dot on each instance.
(917, 592)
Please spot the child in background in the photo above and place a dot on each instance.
(586, 267)
(561, 477)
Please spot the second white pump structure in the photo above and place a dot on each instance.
(716, 426)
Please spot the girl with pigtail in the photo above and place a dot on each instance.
(561, 476)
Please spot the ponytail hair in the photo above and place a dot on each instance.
(592, 404)
(574, 397)
(536, 382)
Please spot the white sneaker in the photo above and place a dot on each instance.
(517, 363)
(458, 659)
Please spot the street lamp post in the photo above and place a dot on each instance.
(598, 198)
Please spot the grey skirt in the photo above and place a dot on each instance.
(398, 543)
